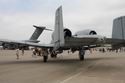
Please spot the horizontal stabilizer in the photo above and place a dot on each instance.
(37, 33)
(42, 27)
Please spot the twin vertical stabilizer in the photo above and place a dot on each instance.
(37, 32)
(118, 31)
(58, 34)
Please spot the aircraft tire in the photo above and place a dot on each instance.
(53, 55)
(45, 58)
(81, 55)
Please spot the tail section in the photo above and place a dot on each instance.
(37, 32)
(119, 28)
(58, 34)
(118, 32)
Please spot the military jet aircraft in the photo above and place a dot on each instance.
(63, 39)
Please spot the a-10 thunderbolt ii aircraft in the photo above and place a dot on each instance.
(62, 38)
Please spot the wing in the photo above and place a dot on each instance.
(116, 43)
(27, 43)
(37, 44)
(83, 41)
(92, 41)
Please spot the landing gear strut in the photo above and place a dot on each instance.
(45, 58)
(81, 54)
(45, 55)
(53, 55)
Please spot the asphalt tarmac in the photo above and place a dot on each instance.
(97, 67)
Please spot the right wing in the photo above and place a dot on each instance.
(83, 41)
(93, 41)
(116, 43)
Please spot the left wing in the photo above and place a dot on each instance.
(27, 43)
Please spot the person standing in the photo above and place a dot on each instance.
(34, 53)
(22, 51)
(17, 53)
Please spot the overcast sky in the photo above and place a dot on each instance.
(18, 16)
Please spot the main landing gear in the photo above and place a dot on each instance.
(45, 58)
(53, 55)
(81, 54)
(45, 55)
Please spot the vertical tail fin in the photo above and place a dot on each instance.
(119, 28)
(58, 34)
(118, 31)
(36, 34)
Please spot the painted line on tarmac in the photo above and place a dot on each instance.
(71, 77)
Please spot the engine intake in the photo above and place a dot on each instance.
(67, 33)
(92, 33)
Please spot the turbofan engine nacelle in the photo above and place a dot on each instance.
(86, 32)
(67, 33)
